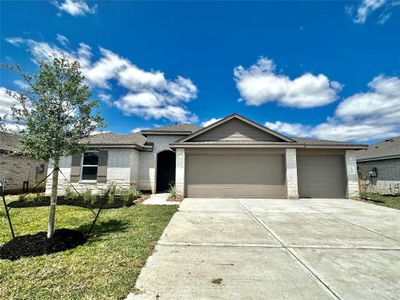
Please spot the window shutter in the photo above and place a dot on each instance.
(102, 169)
(76, 167)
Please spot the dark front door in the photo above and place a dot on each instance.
(165, 170)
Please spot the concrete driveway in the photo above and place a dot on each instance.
(275, 249)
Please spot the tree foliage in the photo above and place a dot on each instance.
(55, 111)
(56, 114)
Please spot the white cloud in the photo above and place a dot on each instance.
(138, 129)
(260, 84)
(6, 103)
(40, 50)
(106, 98)
(75, 7)
(295, 129)
(62, 39)
(361, 13)
(209, 122)
(361, 117)
(99, 132)
(149, 94)
(21, 84)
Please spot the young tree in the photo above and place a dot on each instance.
(56, 113)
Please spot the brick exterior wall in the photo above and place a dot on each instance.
(122, 171)
(16, 168)
(148, 160)
(388, 179)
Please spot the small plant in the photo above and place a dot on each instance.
(111, 195)
(88, 196)
(131, 196)
(27, 198)
(71, 194)
(174, 194)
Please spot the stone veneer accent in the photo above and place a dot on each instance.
(388, 179)
(180, 170)
(291, 174)
(353, 190)
(17, 168)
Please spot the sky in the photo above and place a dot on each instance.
(328, 70)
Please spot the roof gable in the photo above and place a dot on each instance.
(236, 128)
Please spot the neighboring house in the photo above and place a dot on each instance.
(379, 167)
(234, 157)
(18, 172)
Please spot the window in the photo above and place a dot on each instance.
(89, 165)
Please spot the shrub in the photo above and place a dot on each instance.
(27, 197)
(111, 199)
(174, 194)
(131, 196)
(88, 196)
(71, 194)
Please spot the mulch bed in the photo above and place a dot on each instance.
(45, 201)
(38, 244)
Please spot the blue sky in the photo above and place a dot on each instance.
(319, 69)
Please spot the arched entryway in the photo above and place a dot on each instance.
(166, 161)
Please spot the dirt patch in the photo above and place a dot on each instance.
(38, 244)
(217, 281)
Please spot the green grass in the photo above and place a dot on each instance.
(389, 201)
(106, 267)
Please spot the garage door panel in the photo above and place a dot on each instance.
(321, 176)
(235, 191)
(239, 175)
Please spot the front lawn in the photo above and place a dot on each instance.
(105, 267)
(389, 201)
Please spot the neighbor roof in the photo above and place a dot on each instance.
(386, 149)
(10, 142)
(184, 128)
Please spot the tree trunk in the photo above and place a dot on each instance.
(53, 200)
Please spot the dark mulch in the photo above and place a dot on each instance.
(38, 244)
(61, 200)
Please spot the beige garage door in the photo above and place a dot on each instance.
(229, 173)
(321, 176)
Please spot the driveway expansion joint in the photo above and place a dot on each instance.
(352, 223)
(292, 253)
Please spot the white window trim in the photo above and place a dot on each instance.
(88, 180)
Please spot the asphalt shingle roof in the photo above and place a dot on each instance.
(9, 142)
(110, 138)
(185, 127)
(386, 148)
(308, 141)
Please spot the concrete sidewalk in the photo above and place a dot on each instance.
(275, 249)
(160, 199)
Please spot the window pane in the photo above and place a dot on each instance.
(91, 158)
(89, 173)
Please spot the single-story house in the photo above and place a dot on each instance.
(234, 157)
(18, 172)
(379, 167)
